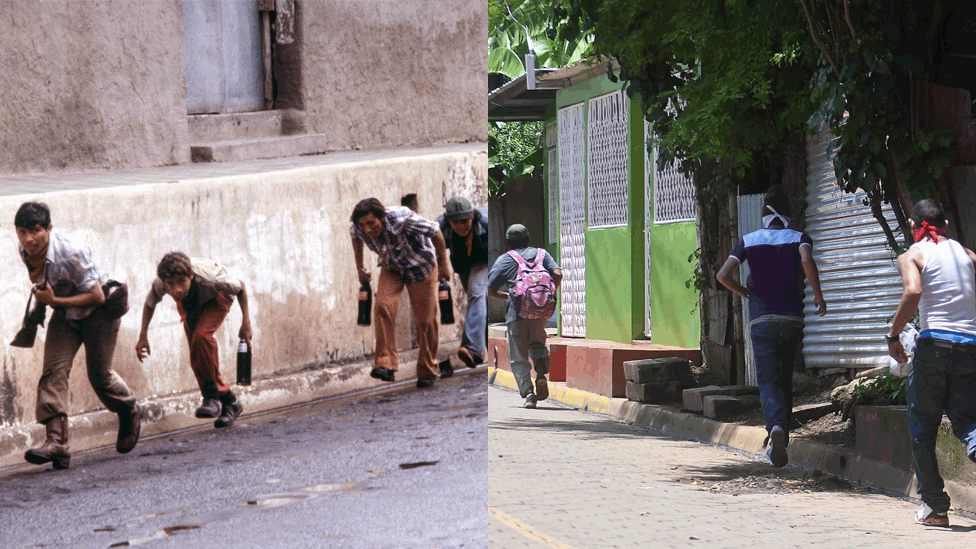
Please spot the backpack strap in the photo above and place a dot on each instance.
(518, 258)
(540, 257)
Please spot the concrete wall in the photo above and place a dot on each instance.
(101, 83)
(90, 84)
(394, 72)
(284, 233)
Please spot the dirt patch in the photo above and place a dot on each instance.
(785, 481)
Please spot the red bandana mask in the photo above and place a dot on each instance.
(918, 233)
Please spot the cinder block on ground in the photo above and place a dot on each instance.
(666, 391)
(656, 370)
(693, 399)
(810, 412)
(719, 406)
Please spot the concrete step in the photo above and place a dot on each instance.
(266, 147)
(208, 128)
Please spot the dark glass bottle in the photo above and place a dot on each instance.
(243, 363)
(365, 304)
(447, 304)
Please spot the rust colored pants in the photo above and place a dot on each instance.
(203, 346)
(423, 299)
(98, 333)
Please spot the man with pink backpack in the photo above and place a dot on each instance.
(532, 277)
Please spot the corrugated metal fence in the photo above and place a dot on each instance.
(857, 271)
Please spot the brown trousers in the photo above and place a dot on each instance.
(204, 360)
(423, 299)
(98, 333)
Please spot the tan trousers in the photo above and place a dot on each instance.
(98, 334)
(423, 299)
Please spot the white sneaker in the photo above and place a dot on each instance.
(530, 401)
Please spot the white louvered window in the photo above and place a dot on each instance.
(553, 165)
(607, 182)
(674, 195)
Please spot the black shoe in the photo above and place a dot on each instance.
(446, 369)
(382, 374)
(424, 382)
(230, 413)
(466, 357)
(130, 423)
(209, 408)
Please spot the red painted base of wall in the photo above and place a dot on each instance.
(591, 364)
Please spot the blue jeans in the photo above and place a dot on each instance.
(774, 345)
(940, 380)
(475, 284)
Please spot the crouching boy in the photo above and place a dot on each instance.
(204, 293)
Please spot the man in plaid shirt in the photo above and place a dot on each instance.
(410, 249)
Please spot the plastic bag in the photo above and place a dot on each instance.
(908, 336)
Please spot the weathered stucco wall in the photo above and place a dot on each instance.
(389, 72)
(91, 84)
(284, 233)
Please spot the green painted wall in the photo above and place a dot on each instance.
(615, 295)
(674, 319)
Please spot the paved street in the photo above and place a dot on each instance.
(399, 469)
(561, 478)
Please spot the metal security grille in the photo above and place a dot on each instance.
(572, 220)
(648, 215)
(674, 195)
(553, 166)
(551, 135)
(858, 276)
(607, 160)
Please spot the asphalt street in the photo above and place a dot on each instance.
(401, 468)
(562, 478)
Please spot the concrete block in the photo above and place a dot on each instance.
(656, 369)
(207, 128)
(657, 392)
(811, 412)
(693, 399)
(718, 406)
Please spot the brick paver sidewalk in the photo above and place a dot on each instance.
(561, 478)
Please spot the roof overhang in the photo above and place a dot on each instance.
(515, 102)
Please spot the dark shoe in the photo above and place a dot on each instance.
(466, 357)
(542, 387)
(209, 408)
(55, 447)
(229, 414)
(424, 382)
(446, 369)
(927, 517)
(777, 447)
(382, 374)
(130, 423)
(530, 401)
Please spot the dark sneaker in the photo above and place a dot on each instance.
(542, 387)
(777, 447)
(230, 413)
(466, 357)
(530, 401)
(927, 517)
(424, 382)
(446, 369)
(382, 374)
(130, 423)
(209, 408)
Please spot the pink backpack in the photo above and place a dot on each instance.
(534, 294)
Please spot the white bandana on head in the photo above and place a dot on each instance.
(768, 219)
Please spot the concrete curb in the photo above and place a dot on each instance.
(834, 460)
(169, 413)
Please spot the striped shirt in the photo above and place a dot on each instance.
(776, 279)
(404, 245)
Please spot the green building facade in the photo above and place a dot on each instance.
(624, 254)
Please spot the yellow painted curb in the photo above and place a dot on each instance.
(558, 391)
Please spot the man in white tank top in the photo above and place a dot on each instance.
(939, 280)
